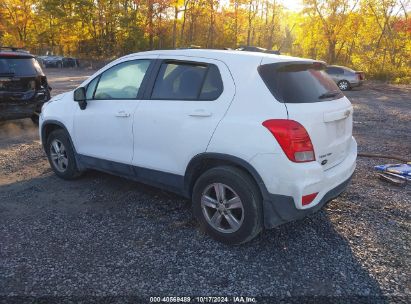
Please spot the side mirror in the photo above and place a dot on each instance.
(80, 97)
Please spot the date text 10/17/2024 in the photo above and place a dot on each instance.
(239, 299)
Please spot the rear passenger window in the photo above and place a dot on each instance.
(213, 84)
(187, 81)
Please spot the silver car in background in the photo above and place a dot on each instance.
(344, 77)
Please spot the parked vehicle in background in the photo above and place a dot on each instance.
(344, 77)
(69, 62)
(254, 139)
(58, 62)
(23, 85)
(53, 62)
(41, 60)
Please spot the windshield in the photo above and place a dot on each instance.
(299, 82)
(19, 66)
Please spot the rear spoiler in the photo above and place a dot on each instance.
(11, 51)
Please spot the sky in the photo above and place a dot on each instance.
(293, 5)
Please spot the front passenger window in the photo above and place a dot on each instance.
(122, 81)
(91, 87)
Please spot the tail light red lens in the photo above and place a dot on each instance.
(307, 199)
(360, 76)
(293, 139)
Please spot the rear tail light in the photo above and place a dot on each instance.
(307, 199)
(360, 76)
(44, 82)
(293, 139)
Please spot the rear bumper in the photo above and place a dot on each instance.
(280, 209)
(287, 182)
(21, 105)
(357, 83)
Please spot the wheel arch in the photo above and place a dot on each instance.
(205, 161)
(49, 126)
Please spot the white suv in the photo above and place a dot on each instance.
(254, 139)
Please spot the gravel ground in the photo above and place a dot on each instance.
(106, 236)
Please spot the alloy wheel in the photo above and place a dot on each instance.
(58, 155)
(222, 208)
(343, 85)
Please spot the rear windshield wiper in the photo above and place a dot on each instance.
(329, 94)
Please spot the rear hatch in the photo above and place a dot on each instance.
(314, 100)
(19, 74)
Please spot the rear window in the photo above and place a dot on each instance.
(15, 66)
(299, 82)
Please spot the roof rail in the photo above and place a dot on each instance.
(192, 46)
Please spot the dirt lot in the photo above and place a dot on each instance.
(106, 236)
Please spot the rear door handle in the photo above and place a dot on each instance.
(122, 114)
(200, 113)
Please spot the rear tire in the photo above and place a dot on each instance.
(61, 155)
(228, 205)
(344, 85)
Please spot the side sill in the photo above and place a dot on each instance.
(163, 180)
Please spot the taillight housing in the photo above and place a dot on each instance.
(293, 139)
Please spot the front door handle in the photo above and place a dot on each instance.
(122, 114)
(200, 113)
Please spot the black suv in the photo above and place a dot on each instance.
(23, 85)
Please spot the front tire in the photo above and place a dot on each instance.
(61, 155)
(344, 85)
(228, 204)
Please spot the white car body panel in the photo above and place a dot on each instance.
(115, 117)
(241, 132)
(329, 124)
(60, 108)
(116, 142)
